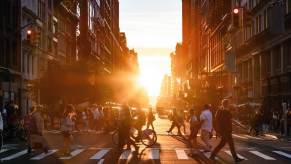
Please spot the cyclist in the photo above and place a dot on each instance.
(125, 123)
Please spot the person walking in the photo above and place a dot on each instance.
(150, 118)
(1, 131)
(224, 117)
(194, 128)
(175, 122)
(206, 126)
(67, 125)
(35, 130)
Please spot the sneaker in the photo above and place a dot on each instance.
(238, 159)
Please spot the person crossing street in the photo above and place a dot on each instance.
(224, 117)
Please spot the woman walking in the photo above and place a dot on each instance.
(67, 125)
(194, 128)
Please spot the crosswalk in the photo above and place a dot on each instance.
(100, 154)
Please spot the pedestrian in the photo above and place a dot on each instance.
(150, 118)
(35, 127)
(194, 128)
(206, 126)
(96, 116)
(67, 125)
(1, 131)
(174, 117)
(85, 120)
(223, 118)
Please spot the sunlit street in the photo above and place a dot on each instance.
(145, 81)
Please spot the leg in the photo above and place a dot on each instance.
(205, 139)
(152, 125)
(172, 127)
(218, 148)
(229, 140)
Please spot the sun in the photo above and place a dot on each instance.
(152, 70)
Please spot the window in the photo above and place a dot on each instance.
(277, 57)
(90, 16)
(287, 53)
(266, 22)
(258, 24)
(288, 6)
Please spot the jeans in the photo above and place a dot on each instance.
(205, 136)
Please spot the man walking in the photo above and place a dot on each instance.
(224, 117)
(206, 126)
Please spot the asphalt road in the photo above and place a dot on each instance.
(98, 148)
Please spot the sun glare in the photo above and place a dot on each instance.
(152, 70)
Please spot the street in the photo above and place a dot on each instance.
(170, 148)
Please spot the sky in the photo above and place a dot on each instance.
(152, 27)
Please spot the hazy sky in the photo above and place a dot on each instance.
(153, 27)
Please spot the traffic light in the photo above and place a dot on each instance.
(29, 36)
(236, 18)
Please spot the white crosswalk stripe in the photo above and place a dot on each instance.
(43, 155)
(181, 154)
(101, 161)
(100, 154)
(126, 154)
(154, 154)
(283, 154)
(3, 150)
(151, 154)
(240, 156)
(238, 136)
(73, 154)
(266, 157)
(16, 155)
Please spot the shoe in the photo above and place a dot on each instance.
(45, 150)
(238, 159)
(29, 150)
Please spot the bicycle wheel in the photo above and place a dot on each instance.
(149, 137)
(115, 138)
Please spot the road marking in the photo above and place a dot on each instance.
(181, 154)
(100, 154)
(154, 154)
(126, 154)
(43, 155)
(73, 154)
(229, 153)
(257, 138)
(101, 161)
(3, 150)
(13, 156)
(262, 155)
(238, 136)
(283, 154)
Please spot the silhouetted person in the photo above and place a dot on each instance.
(175, 122)
(224, 117)
(206, 126)
(150, 118)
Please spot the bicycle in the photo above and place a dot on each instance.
(148, 137)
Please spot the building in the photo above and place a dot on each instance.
(262, 54)
(10, 52)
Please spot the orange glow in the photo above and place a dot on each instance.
(28, 32)
(235, 11)
(152, 70)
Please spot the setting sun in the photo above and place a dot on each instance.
(152, 70)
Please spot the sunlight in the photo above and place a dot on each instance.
(152, 70)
